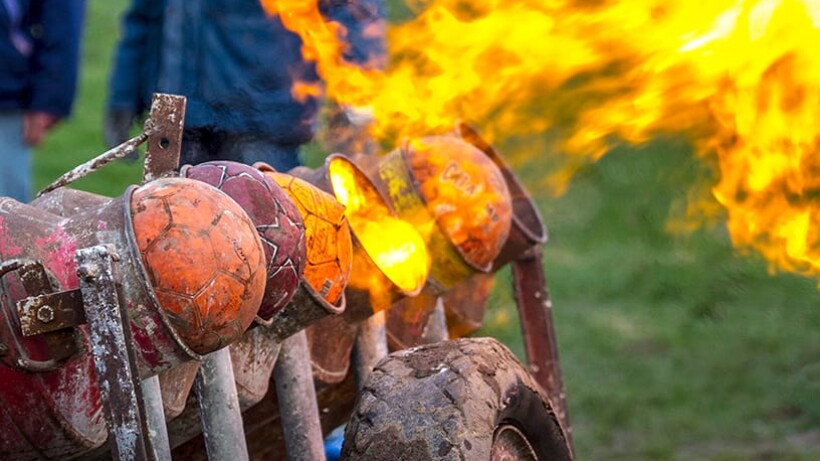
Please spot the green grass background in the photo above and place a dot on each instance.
(674, 346)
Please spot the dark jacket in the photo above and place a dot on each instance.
(39, 54)
(235, 65)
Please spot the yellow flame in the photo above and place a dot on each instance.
(741, 78)
(394, 245)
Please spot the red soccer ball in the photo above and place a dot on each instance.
(277, 221)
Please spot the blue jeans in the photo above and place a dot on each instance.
(15, 158)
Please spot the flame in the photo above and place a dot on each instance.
(741, 78)
(395, 246)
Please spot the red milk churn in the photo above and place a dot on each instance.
(177, 305)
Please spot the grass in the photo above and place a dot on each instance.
(674, 346)
(80, 138)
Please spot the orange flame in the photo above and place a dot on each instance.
(739, 77)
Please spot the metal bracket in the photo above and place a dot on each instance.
(50, 312)
(114, 358)
(165, 139)
(61, 345)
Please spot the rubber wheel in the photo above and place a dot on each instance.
(466, 400)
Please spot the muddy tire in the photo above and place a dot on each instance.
(465, 400)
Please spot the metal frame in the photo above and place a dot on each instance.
(538, 329)
(133, 408)
(215, 388)
(298, 408)
(114, 358)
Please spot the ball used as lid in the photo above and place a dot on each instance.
(203, 257)
(276, 218)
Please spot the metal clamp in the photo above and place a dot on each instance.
(34, 277)
(50, 312)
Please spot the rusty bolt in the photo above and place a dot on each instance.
(45, 313)
(88, 272)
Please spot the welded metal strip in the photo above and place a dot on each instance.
(540, 342)
(114, 359)
(215, 389)
(165, 125)
(298, 409)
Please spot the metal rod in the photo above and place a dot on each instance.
(155, 419)
(371, 346)
(219, 408)
(298, 409)
(436, 329)
(114, 360)
(99, 161)
(162, 130)
(540, 341)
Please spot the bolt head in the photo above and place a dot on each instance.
(45, 313)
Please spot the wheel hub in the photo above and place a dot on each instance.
(509, 444)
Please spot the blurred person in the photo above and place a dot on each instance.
(237, 67)
(39, 60)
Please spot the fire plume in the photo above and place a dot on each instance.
(740, 78)
(395, 246)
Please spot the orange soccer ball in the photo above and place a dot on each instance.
(465, 192)
(329, 247)
(203, 257)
